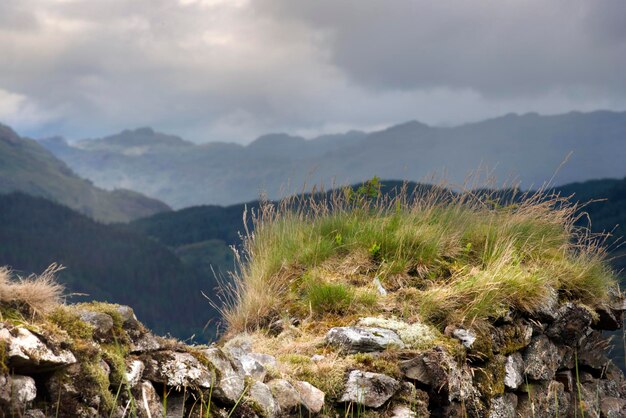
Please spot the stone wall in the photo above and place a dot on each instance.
(103, 362)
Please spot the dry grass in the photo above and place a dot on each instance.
(35, 294)
(445, 257)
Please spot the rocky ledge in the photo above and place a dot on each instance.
(98, 360)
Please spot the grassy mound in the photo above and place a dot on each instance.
(442, 258)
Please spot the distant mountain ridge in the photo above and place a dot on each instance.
(527, 147)
(26, 166)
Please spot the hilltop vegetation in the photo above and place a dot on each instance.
(446, 259)
(25, 166)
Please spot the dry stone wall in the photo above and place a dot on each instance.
(548, 365)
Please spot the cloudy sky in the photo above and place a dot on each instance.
(234, 69)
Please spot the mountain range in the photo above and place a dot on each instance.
(28, 167)
(527, 148)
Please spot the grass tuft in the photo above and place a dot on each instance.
(32, 295)
(443, 257)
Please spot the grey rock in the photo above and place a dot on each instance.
(27, 353)
(369, 389)
(466, 336)
(503, 406)
(239, 345)
(145, 343)
(230, 384)
(101, 322)
(265, 359)
(363, 339)
(134, 372)
(567, 379)
(148, 401)
(177, 370)
(312, 397)
(403, 411)
(613, 407)
(287, 398)
(592, 351)
(261, 400)
(546, 400)
(508, 338)
(541, 359)
(17, 391)
(176, 405)
(34, 413)
(252, 368)
(548, 310)
(514, 371)
(571, 323)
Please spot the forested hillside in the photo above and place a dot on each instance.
(104, 262)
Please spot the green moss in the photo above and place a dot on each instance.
(118, 333)
(378, 364)
(115, 356)
(489, 379)
(4, 361)
(95, 382)
(69, 321)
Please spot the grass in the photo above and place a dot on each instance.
(445, 257)
(32, 295)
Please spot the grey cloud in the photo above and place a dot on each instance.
(235, 69)
(496, 47)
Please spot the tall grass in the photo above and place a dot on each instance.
(32, 295)
(465, 256)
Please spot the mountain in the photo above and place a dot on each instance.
(529, 148)
(105, 262)
(28, 167)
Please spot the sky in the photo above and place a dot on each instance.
(231, 70)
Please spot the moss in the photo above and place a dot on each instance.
(95, 383)
(118, 333)
(489, 379)
(4, 361)
(70, 322)
(115, 356)
(384, 363)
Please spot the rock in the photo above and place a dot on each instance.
(239, 345)
(148, 402)
(416, 400)
(567, 379)
(369, 389)
(252, 368)
(431, 368)
(102, 323)
(541, 359)
(403, 411)
(145, 343)
(612, 407)
(34, 413)
(230, 384)
(134, 372)
(379, 286)
(27, 353)
(546, 400)
(16, 391)
(548, 310)
(287, 398)
(312, 397)
(177, 370)
(608, 319)
(514, 371)
(467, 337)
(265, 359)
(261, 400)
(363, 339)
(503, 406)
(176, 405)
(509, 338)
(413, 335)
(570, 324)
(592, 351)
(317, 358)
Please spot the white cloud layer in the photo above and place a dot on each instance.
(234, 69)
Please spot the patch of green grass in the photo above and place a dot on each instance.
(467, 256)
(328, 297)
